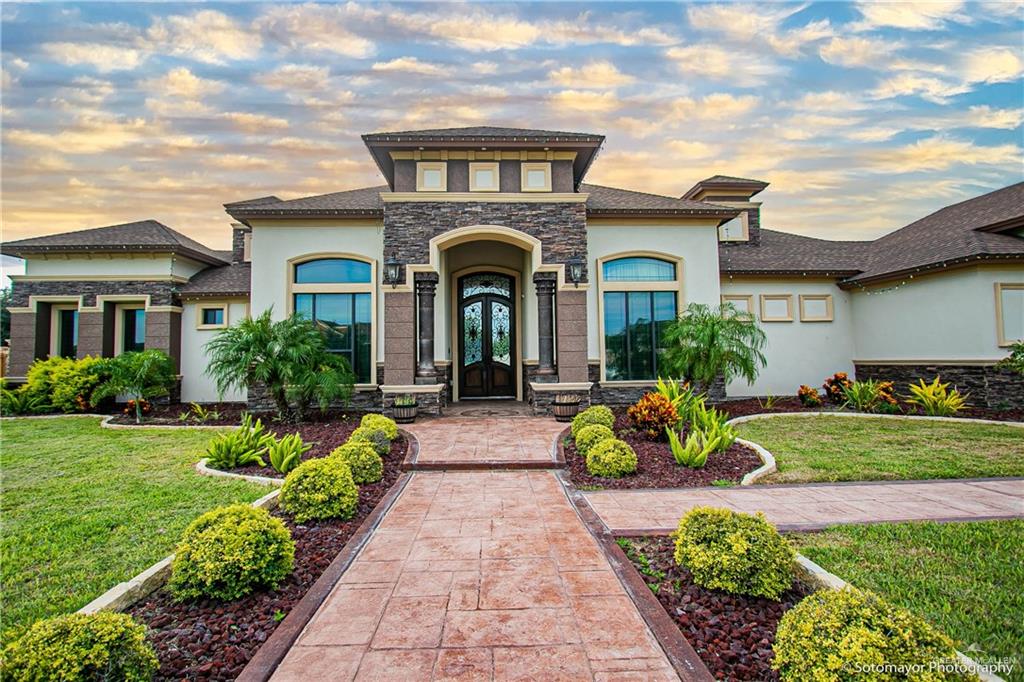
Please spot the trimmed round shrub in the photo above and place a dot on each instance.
(363, 461)
(595, 414)
(372, 436)
(81, 647)
(589, 436)
(834, 635)
(734, 552)
(611, 458)
(320, 488)
(231, 551)
(379, 421)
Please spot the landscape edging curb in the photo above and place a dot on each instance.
(123, 595)
(821, 577)
(207, 471)
(871, 415)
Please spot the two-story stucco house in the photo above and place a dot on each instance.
(485, 267)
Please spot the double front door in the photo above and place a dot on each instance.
(486, 330)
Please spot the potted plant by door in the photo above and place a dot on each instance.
(566, 406)
(405, 409)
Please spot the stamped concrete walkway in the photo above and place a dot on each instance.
(814, 506)
(479, 576)
(486, 441)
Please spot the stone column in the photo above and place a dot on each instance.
(545, 284)
(163, 332)
(399, 337)
(426, 286)
(572, 335)
(23, 343)
(90, 333)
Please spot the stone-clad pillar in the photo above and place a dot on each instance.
(23, 343)
(90, 333)
(572, 335)
(426, 287)
(163, 332)
(399, 337)
(545, 284)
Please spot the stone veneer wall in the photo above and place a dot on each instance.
(613, 394)
(409, 226)
(989, 387)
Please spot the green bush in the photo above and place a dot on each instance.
(595, 414)
(286, 454)
(936, 399)
(832, 635)
(320, 489)
(73, 383)
(363, 461)
(379, 421)
(738, 553)
(39, 377)
(589, 436)
(228, 552)
(611, 458)
(376, 438)
(81, 647)
(21, 401)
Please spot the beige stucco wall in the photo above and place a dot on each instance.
(695, 242)
(195, 386)
(797, 352)
(945, 316)
(275, 243)
(115, 265)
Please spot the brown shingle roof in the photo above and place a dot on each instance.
(707, 185)
(951, 235)
(786, 253)
(483, 133)
(145, 236)
(602, 201)
(228, 280)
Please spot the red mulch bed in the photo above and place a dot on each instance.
(213, 640)
(655, 466)
(747, 406)
(732, 634)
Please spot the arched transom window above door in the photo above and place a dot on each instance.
(639, 296)
(336, 293)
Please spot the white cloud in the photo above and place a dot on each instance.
(941, 153)
(692, 150)
(991, 65)
(236, 162)
(205, 36)
(758, 24)
(857, 51)
(927, 87)
(410, 65)
(180, 82)
(583, 100)
(254, 123)
(718, 106)
(87, 135)
(319, 28)
(485, 68)
(595, 74)
(913, 15)
(984, 116)
(103, 58)
(292, 77)
(717, 63)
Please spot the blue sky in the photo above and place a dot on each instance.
(862, 117)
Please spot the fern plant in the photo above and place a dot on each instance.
(286, 453)
(22, 402)
(936, 399)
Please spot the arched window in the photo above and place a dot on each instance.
(337, 295)
(639, 299)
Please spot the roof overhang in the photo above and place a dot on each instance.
(742, 190)
(948, 264)
(381, 145)
(27, 251)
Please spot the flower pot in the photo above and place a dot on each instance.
(405, 414)
(565, 411)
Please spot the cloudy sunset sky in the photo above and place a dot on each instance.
(862, 117)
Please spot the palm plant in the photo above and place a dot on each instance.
(139, 375)
(289, 357)
(705, 342)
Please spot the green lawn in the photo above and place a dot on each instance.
(84, 508)
(847, 449)
(964, 578)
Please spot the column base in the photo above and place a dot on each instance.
(543, 394)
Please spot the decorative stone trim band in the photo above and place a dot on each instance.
(123, 595)
(413, 388)
(208, 471)
(864, 415)
(822, 578)
(564, 387)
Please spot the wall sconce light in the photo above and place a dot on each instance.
(392, 271)
(574, 269)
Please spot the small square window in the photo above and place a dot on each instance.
(212, 317)
(432, 177)
(536, 177)
(483, 177)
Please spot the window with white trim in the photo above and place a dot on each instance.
(212, 316)
(431, 176)
(336, 295)
(639, 299)
(1010, 312)
(484, 176)
(536, 177)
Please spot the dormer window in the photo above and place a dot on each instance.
(536, 177)
(483, 177)
(736, 230)
(432, 176)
